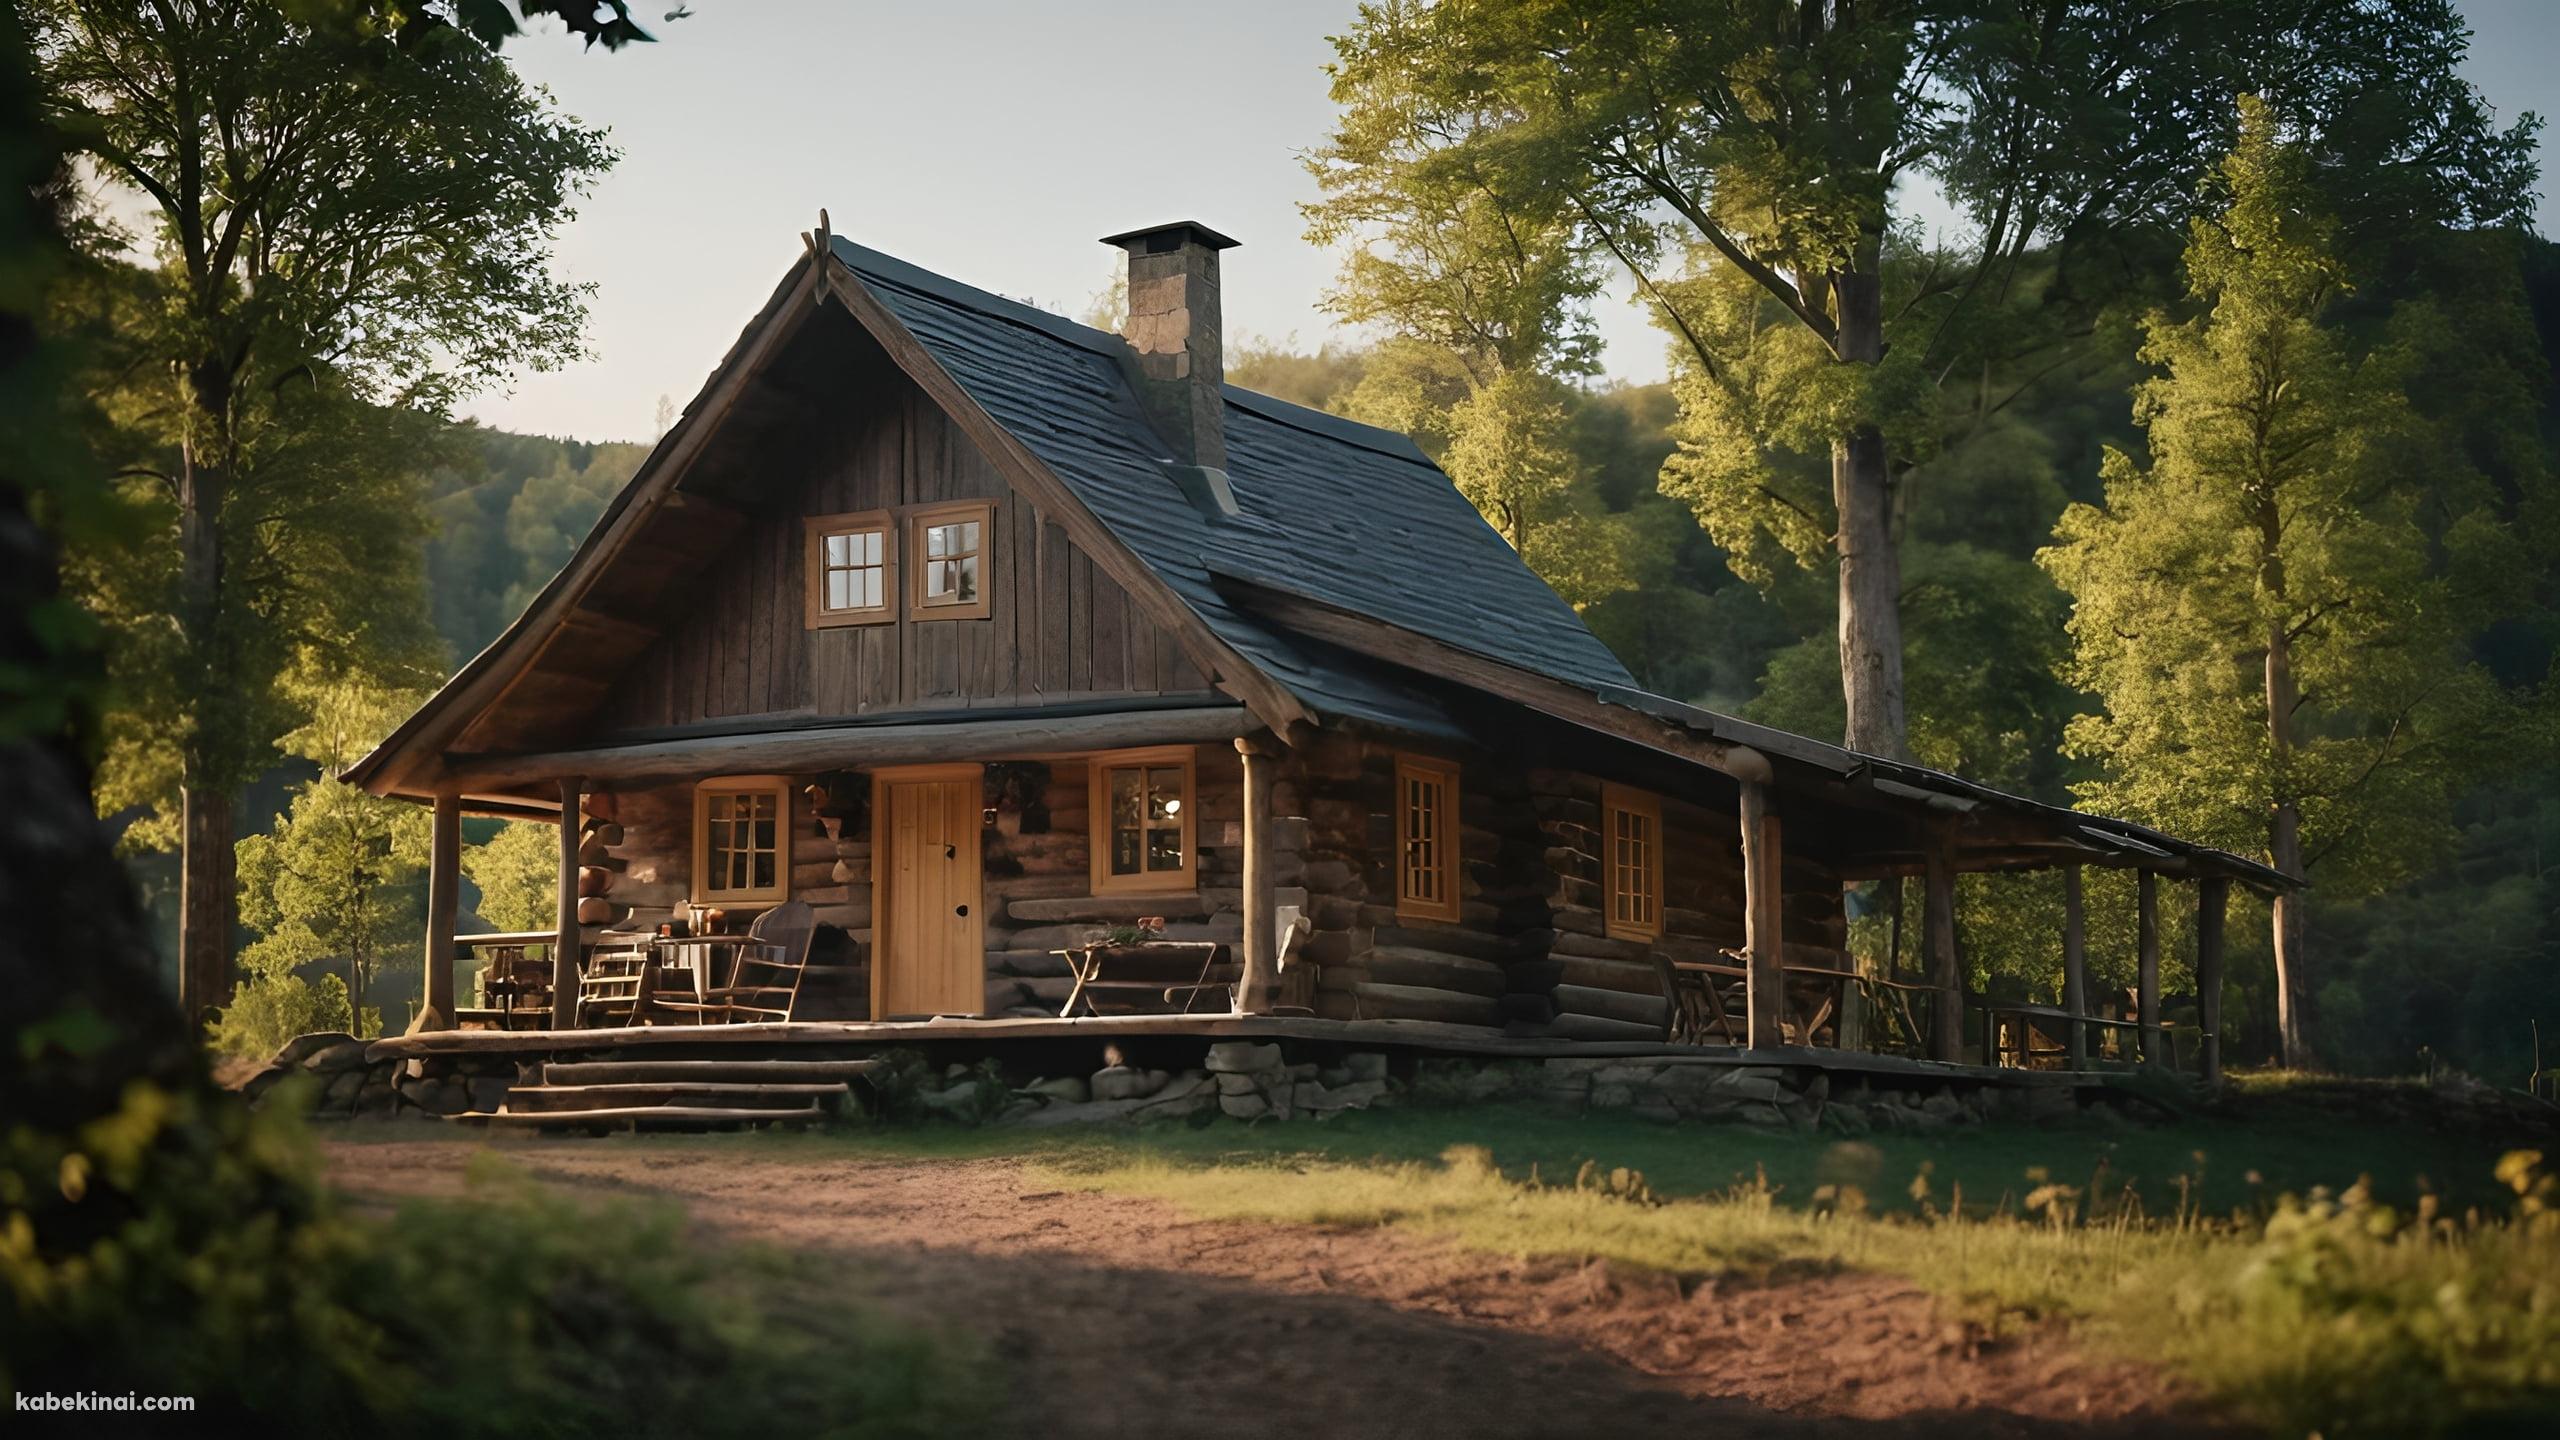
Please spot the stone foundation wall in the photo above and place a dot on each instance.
(1268, 1081)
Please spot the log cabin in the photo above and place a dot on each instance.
(977, 629)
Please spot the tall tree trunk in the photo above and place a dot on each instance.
(1870, 564)
(2284, 819)
(2284, 851)
(205, 900)
(205, 862)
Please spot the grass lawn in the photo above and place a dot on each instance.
(2277, 1139)
(2321, 1259)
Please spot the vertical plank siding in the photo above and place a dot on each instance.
(1058, 628)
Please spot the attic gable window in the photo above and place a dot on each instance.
(1426, 834)
(952, 546)
(852, 570)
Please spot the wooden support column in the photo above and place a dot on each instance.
(2075, 966)
(1946, 1013)
(444, 897)
(2146, 923)
(1763, 919)
(2212, 892)
(564, 953)
(1261, 901)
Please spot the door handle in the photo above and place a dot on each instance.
(962, 911)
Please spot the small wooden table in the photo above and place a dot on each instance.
(1175, 967)
(696, 954)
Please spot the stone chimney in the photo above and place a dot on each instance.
(1173, 325)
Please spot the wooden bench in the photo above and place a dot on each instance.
(1188, 968)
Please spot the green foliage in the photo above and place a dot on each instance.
(183, 1245)
(339, 879)
(508, 511)
(274, 1005)
(2292, 498)
(518, 873)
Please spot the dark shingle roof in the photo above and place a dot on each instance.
(1353, 515)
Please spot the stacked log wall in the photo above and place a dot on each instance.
(1530, 950)
(1037, 888)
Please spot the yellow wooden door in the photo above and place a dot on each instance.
(929, 956)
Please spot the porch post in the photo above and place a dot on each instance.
(2146, 922)
(1763, 920)
(2075, 966)
(564, 954)
(444, 869)
(1261, 902)
(1946, 1016)
(2212, 891)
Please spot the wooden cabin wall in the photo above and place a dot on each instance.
(1339, 792)
(1060, 627)
(1037, 886)
(1530, 949)
(1603, 988)
(1039, 883)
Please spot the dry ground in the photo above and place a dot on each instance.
(1110, 1315)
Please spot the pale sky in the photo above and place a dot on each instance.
(992, 141)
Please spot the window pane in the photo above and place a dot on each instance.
(1125, 788)
(968, 538)
(871, 589)
(968, 569)
(1164, 849)
(869, 541)
(937, 540)
(839, 549)
(840, 589)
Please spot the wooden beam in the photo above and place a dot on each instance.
(564, 953)
(1946, 1015)
(1261, 898)
(2075, 965)
(791, 752)
(2146, 919)
(395, 763)
(444, 896)
(2213, 893)
(1763, 921)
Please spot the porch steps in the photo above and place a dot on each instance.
(675, 1095)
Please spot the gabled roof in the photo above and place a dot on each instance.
(1330, 521)
(1349, 513)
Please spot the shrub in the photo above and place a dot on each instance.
(266, 1010)
(182, 1245)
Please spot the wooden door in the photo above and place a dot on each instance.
(929, 950)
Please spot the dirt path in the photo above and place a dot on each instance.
(1115, 1316)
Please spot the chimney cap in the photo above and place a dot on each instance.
(1176, 230)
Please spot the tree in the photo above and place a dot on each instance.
(2277, 611)
(339, 879)
(1765, 143)
(344, 214)
(518, 872)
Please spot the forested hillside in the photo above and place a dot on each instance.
(507, 514)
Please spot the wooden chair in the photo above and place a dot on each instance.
(765, 974)
(617, 986)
